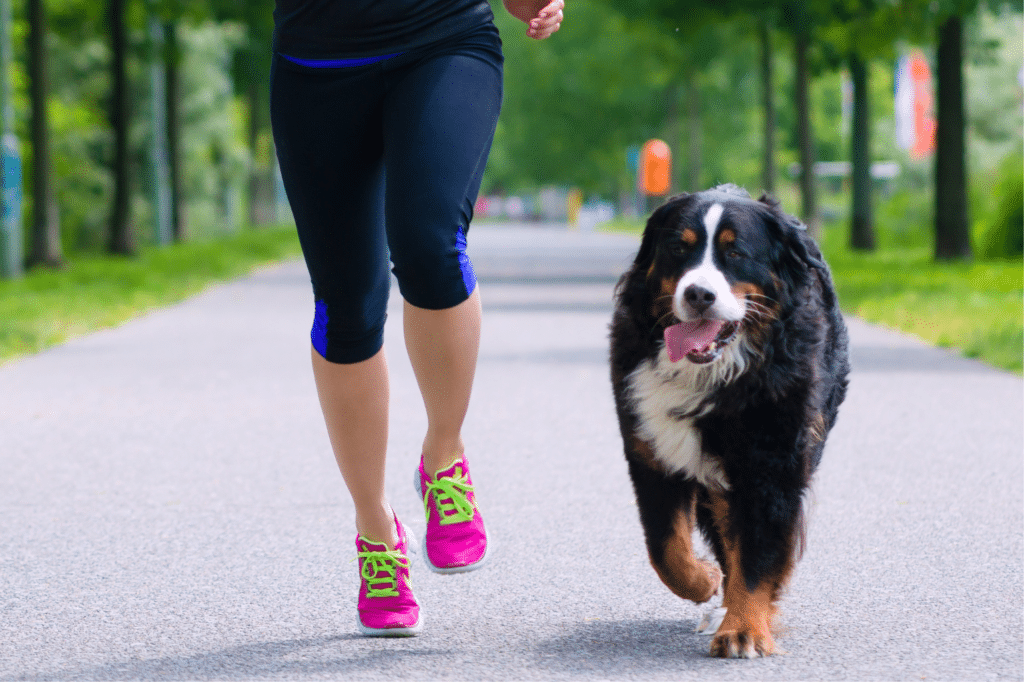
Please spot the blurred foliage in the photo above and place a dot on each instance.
(618, 73)
(995, 54)
(214, 152)
(575, 102)
(999, 227)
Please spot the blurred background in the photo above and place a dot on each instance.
(137, 142)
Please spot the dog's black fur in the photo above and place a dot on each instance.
(763, 423)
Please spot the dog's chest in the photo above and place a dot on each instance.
(667, 399)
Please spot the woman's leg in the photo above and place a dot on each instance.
(354, 400)
(443, 347)
(438, 123)
(330, 145)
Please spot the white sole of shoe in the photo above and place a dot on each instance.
(391, 632)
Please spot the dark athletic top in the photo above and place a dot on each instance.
(344, 29)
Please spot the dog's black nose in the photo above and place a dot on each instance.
(698, 298)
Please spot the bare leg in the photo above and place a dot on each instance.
(443, 347)
(354, 400)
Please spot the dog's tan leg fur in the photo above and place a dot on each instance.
(746, 630)
(683, 573)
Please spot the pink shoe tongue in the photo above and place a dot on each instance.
(684, 338)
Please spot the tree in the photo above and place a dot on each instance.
(952, 229)
(169, 13)
(805, 133)
(46, 245)
(944, 19)
(764, 34)
(121, 238)
(862, 227)
(862, 30)
(252, 75)
(803, 20)
(172, 93)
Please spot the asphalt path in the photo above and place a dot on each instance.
(170, 510)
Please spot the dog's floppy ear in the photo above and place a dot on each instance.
(802, 245)
(796, 251)
(633, 290)
(655, 224)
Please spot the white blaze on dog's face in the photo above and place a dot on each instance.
(704, 291)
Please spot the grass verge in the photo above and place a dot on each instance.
(48, 307)
(975, 308)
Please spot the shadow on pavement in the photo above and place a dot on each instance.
(341, 656)
(612, 648)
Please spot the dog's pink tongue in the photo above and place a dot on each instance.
(684, 338)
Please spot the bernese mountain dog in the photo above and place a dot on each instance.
(729, 359)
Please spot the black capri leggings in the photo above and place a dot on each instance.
(385, 158)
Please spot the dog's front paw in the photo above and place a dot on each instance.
(743, 643)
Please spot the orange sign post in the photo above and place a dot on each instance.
(654, 177)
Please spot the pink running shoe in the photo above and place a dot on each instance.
(387, 607)
(455, 541)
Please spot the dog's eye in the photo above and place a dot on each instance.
(733, 254)
(677, 248)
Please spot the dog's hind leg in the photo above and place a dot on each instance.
(666, 512)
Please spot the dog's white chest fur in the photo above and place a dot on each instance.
(667, 397)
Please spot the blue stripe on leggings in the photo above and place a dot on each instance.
(319, 333)
(465, 265)
(339, 63)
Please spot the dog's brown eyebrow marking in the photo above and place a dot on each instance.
(689, 237)
(727, 237)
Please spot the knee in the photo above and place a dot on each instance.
(434, 271)
(346, 333)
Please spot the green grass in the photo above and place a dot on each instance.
(975, 308)
(48, 307)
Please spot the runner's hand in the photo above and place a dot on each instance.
(541, 17)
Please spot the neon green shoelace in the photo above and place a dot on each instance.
(379, 571)
(451, 495)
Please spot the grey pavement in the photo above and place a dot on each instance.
(170, 510)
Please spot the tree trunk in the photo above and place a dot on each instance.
(862, 228)
(952, 230)
(46, 247)
(805, 138)
(694, 133)
(671, 132)
(121, 239)
(172, 84)
(768, 103)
